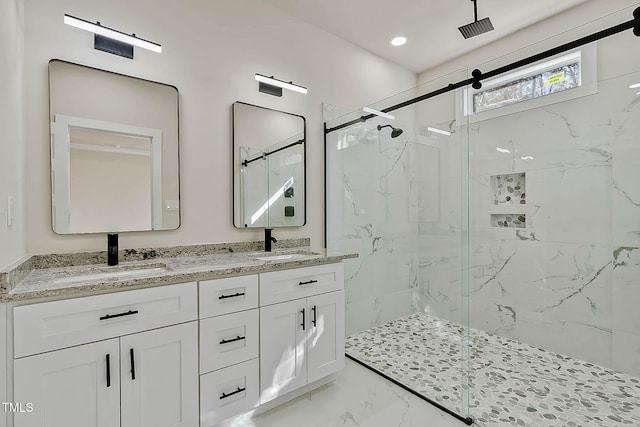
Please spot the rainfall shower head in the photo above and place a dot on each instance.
(476, 27)
(395, 132)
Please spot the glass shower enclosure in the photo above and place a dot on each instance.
(499, 235)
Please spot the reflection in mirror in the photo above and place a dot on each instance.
(269, 167)
(114, 152)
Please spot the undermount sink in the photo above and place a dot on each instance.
(285, 257)
(113, 274)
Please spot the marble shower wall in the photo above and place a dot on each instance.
(570, 281)
(371, 212)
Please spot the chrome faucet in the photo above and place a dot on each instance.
(268, 238)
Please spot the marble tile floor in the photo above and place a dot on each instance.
(510, 383)
(358, 397)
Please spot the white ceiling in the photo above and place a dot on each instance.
(430, 25)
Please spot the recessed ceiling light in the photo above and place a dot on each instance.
(527, 158)
(502, 150)
(398, 41)
(634, 86)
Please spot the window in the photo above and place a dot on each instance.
(559, 79)
(544, 83)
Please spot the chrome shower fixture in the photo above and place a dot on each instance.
(395, 132)
(476, 27)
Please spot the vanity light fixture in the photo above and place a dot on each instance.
(398, 41)
(110, 40)
(440, 131)
(379, 113)
(273, 86)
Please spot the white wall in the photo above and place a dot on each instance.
(211, 50)
(582, 14)
(12, 244)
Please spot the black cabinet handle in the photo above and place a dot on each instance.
(108, 357)
(314, 315)
(239, 390)
(113, 316)
(239, 294)
(133, 364)
(232, 340)
(302, 324)
(307, 282)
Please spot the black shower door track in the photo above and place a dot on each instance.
(478, 76)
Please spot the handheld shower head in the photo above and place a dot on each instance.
(395, 132)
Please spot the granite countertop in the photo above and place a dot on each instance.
(70, 275)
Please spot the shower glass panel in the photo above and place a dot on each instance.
(554, 213)
(401, 204)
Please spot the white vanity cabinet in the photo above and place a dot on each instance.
(185, 355)
(136, 377)
(302, 329)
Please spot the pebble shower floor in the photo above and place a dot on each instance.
(510, 383)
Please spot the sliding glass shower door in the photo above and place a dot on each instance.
(400, 201)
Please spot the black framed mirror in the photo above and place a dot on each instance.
(269, 167)
(114, 151)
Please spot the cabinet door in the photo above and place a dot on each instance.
(159, 377)
(325, 347)
(283, 332)
(74, 387)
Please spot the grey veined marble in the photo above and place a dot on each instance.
(509, 382)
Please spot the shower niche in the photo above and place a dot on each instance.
(508, 199)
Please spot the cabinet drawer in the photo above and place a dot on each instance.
(227, 340)
(228, 295)
(228, 392)
(58, 324)
(286, 285)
